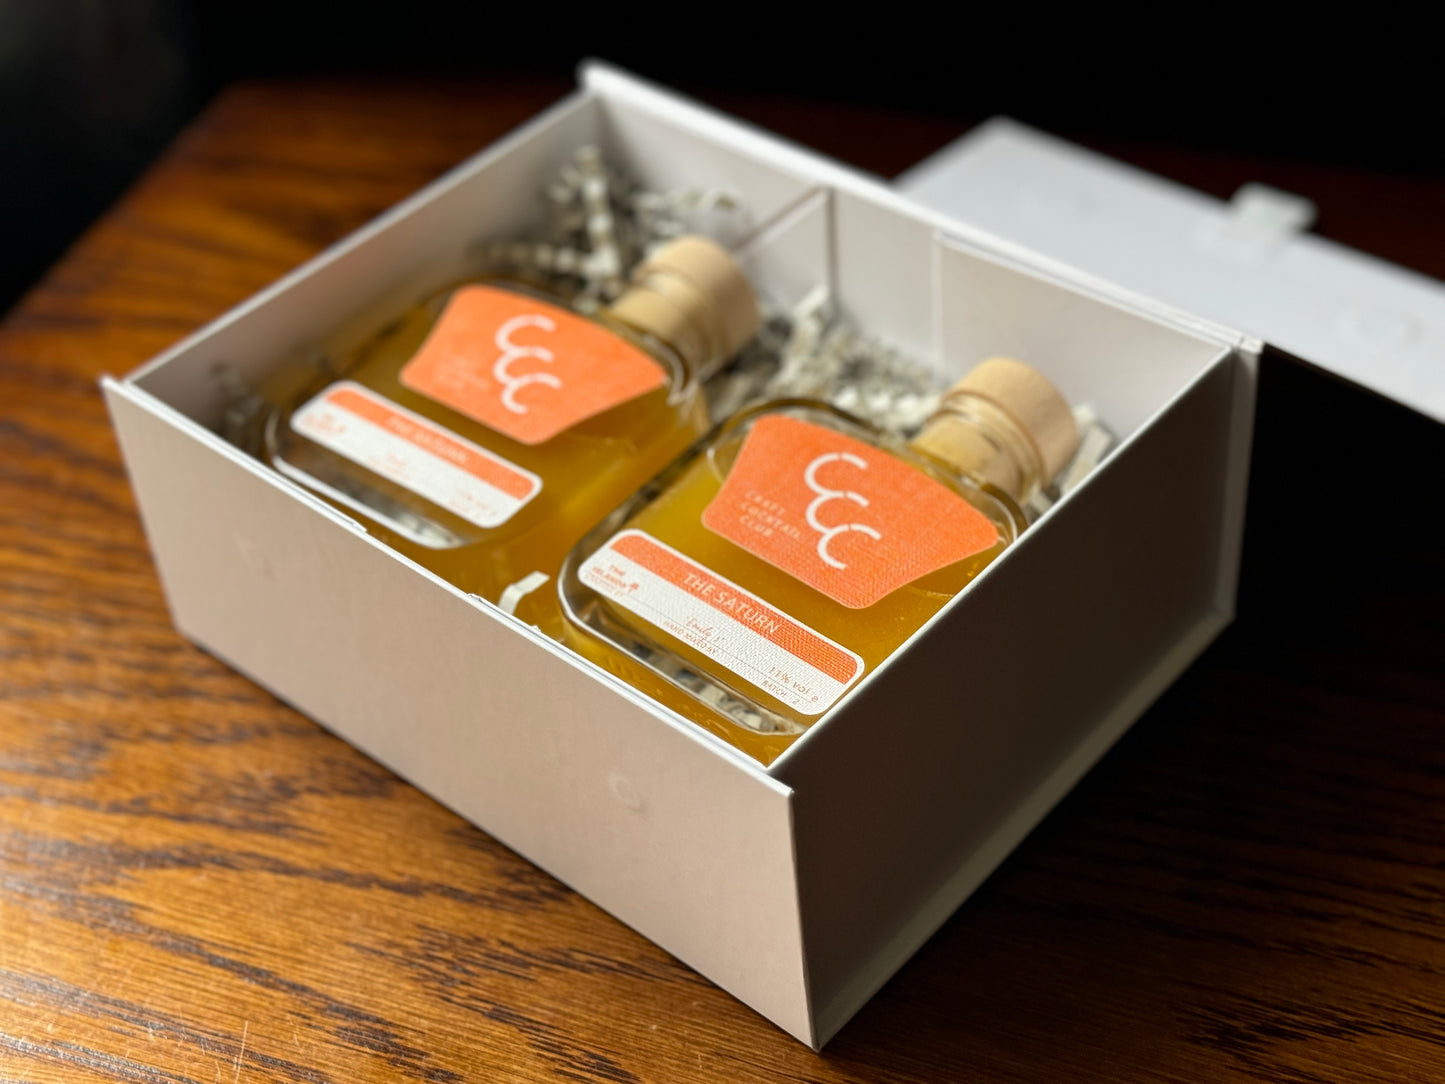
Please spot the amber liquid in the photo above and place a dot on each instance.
(673, 515)
(586, 471)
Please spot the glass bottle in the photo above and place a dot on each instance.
(488, 427)
(795, 549)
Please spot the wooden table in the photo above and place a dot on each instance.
(198, 884)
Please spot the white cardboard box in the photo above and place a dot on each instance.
(800, 887)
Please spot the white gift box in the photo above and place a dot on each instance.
(802, 886)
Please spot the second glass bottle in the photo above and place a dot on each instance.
(797, 548)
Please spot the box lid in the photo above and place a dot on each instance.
(1246, 263)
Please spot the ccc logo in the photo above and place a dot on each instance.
(511, 352)
(824, 495)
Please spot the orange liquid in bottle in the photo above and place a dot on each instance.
(585, 471)
(753, 584)
(673, 514)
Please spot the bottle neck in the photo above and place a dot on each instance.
(669, 308)
(977, 439)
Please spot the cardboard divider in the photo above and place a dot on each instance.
(793, 255)
(885, 274)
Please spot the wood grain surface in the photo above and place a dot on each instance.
(198, 884)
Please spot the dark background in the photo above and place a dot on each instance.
(92, 90)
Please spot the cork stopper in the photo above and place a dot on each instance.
(691, 294)
(1035, 405)
(1003, 423)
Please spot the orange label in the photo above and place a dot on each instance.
(844, 517)
(802, 668)
(411, 451)
(524, 367)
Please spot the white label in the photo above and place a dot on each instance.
(760, 644)
(405, 448)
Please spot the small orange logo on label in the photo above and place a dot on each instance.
(842, 516)
(526, 368)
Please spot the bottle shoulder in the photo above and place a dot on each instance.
(455, 358)
(728, 440)
(553, 303)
